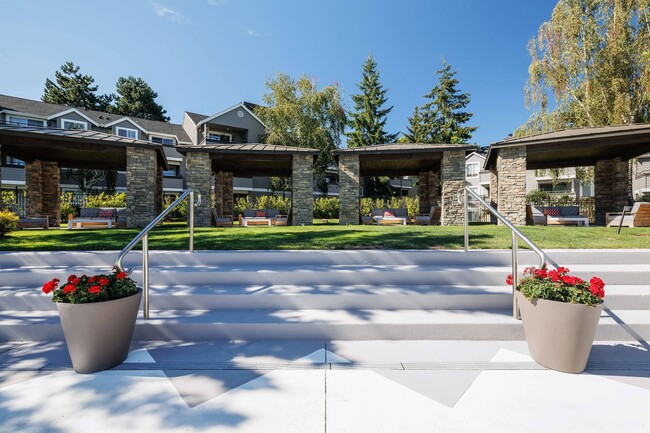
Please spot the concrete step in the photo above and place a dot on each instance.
(268, 324)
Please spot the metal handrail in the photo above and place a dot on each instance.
(144, 237)
(544, 259)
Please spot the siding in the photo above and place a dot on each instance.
(190, 129)
(255, 129)
(127, 125)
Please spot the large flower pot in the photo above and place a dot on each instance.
(559, 335)
(99, 334)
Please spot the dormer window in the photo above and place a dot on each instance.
(23, 121)
(127, 132)
(74, 124)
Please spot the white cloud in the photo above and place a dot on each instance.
(217, 2)
(166, 12)
(251, 32)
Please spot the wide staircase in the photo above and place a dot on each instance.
(331, 295)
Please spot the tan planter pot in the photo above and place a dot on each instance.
(559, 335)
(98, 335)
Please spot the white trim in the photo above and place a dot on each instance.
(172, 190)
(122, 119)
(8, 116)
(172, 158)
(227, 110)
(62, 121)
(117, 132)
(72, 110)
(13, 182)
(478, 170)
(475, 153)
(21, 114)
(160, 134)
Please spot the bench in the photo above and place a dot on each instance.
(555, 215)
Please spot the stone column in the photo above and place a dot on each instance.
(612, 187)
(453, 180)
(224, 193)
(423, 192)
(302, 190)
(2, 203)
(349, 189)
(34, 188)
(511, 184)
(159, 189)
(494, 194)
(198, 176)
(51, 195)
(141, 174)
(434, 189)
(218, 192)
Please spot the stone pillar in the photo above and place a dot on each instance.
(434, 189)
(141, 174)
(349, 189)
(51, 195)
(2, 203)
(198, 175)
(159, 189)
(453, 180)
(429, 190)
(34, 188)
(302, 190)
(612, 187)
(218, 192)
(494, 194)
(224, 200)
(511, 184)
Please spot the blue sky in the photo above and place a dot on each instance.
(206, 55)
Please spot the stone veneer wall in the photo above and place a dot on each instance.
(198, 169)
(302, 190)
(1, 200)
(159, 189)
(453, 180)
(141, 174)
(43, 190)
(511, 191)
(494, 194)
(34, 188)
(428, 190)
(612, 187)
(349, 184)
(223, 193)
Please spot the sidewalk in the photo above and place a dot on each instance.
(318, 386)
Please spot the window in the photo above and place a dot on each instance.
(10, 161)
(23, 121)
(560, 187)
(219, 136)
(471, 169)
(174, 171)
(127, 132)
(74, 124)
(163, 141)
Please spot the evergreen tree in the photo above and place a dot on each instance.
(135, 98)
(369, 118)
(443, 116)
(74, 89)
(416, 129)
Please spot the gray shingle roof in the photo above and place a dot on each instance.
(248, 148)
(405, 147)
(196, 118)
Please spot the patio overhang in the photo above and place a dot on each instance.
(577, 147)
(400, 159)
(72, 148)
(251, 159)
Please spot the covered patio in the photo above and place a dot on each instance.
(608, 149)
(435, 164)
(225, 161)
(46, 150)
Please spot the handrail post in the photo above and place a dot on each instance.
(466, 207)
(191, 221)
(515, 274)
(145, 274)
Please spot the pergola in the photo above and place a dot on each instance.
(45, 150)
(608, 149)
(432, 163)
(226, 161)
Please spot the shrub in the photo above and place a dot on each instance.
(9, 198)
(180, 212)
(67, 206)
(538, 198)
(8, 222)
(243, 203)
(412, 204)
(326, 207)
(106, 200)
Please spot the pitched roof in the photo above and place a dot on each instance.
(405, 147)
(101, 118)
(248, 148)
(196, 118)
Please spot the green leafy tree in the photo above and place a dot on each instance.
(368, 120)
(443, 116)
(137, 99)
(74, 89)
(416, 130)
(297, 114)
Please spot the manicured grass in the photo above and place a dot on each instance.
(175, 236)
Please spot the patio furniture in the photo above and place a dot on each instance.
(253, 217)
(30, 222)
(95, 218)
(389, 216)
(221, 220)
(555, 215)
(431, 218)
(639, 216)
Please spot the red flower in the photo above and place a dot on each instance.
(541, 273)
(92, 279)
(121, 276)
(509, 280)
(563, 270)
(50, 285)
(72, 277)
(94, 289)
(103, 281)
(75, 281)
(69, 288)
(596, 286)
(554, 275)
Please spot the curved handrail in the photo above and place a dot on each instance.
(143, 236)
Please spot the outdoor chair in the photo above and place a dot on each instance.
(221, 220)
(96, 218)
(30, 222)
(555, 215)
(431, 218)
(639, 216)
(264, 217)
(389, 216)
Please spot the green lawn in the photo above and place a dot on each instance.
(175, 235)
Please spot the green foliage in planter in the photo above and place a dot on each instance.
(67, 206)
(326, 207)
(558, 285)
(412, 204)
(8, 222)
(96, 288)
(282, 204)
(106, 200)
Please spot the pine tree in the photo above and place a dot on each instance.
(137, 99)
(74, 90)
(443, 116)
(416, 130)
(369, 118)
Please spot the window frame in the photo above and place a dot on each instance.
(121, 128)
(74, 121)
(9, 117)
(478, 170)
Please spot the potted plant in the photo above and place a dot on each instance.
(560, 315)
(98, 315)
